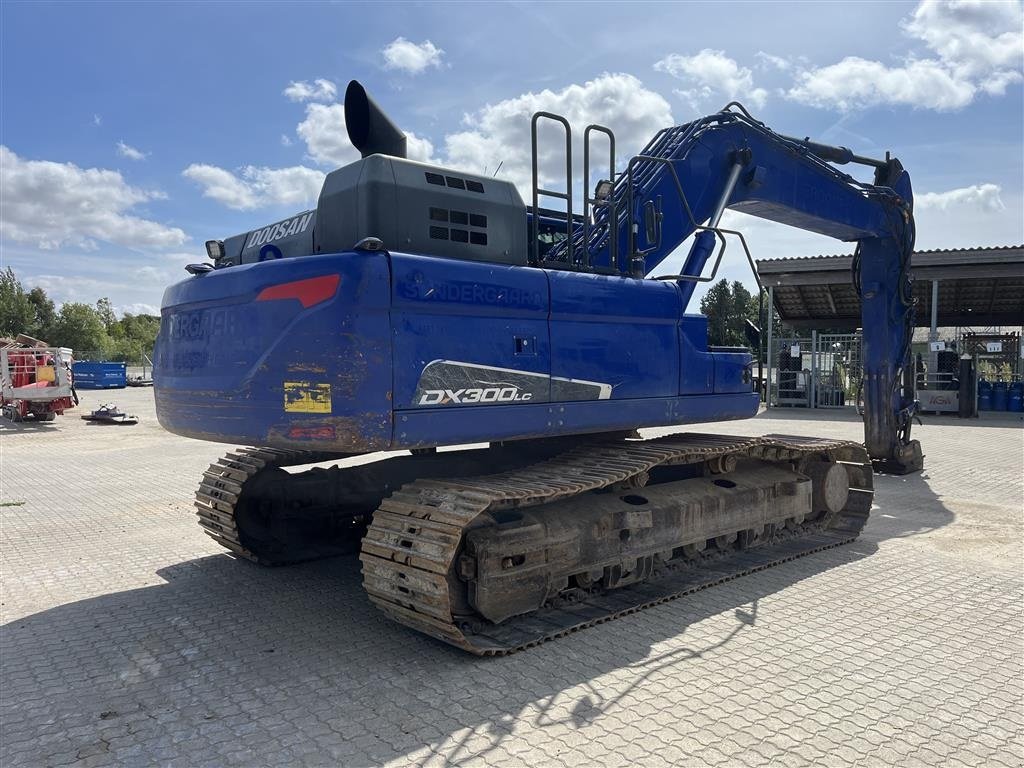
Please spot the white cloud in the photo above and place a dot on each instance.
(326, 138)
(979, 197)
(286, 140)
(124, 150)
(856, 83)
(501, 132)
(419, 148)
(318, 90)
(327, 142)
(123, 292)
(411, 57)
(770, 61)
(257, 187)
(977, 37)
(325, 135)
(138, 309)
(53, 204)
(97, 120)
(712, 74)
(979, 46)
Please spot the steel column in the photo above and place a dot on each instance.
(771, 326)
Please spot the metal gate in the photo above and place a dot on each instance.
(789, 375)
(837, 367)
(820, 371)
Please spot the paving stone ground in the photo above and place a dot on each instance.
(129, 638)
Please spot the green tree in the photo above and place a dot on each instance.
(80, 327)
(136, 335)
(16, 311)
(727, 308)
(45, 314)
(105, 310)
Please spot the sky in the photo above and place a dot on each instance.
(131, 133)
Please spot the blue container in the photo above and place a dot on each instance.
(984, 395)
(1016, 398)
(100, 375)
(1000, 401)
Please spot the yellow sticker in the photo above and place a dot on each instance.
(303, 397)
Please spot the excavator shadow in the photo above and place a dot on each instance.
(174, 657)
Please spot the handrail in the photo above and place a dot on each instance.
(588, 200)
(537, 191)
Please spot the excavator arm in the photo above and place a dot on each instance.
(687, 176)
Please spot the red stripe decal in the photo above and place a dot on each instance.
(310, 292)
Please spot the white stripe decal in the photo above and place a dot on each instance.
(605, 389)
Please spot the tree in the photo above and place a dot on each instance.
(16, 311)
(45, 314)
(80, 327)
(136, 336)
(727, 308)
(105, 310)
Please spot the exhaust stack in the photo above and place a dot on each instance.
(369, 129)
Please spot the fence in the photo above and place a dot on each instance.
(819, 371)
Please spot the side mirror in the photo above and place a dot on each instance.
(651, 222)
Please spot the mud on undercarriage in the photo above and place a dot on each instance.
(498, 549)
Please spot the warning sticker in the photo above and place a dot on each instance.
(304, 397)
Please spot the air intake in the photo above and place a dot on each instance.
(369, 129)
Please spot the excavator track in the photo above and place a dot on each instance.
(216, 499)
(409, 551)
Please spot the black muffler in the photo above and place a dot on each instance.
(369, 129)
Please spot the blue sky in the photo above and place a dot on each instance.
(132, 133)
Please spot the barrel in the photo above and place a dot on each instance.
(984, 395)
(1016, 397)
(1000, 401)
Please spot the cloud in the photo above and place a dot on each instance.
(286, 140)
(712, 74)
(419, 148)
(978, 48)
(97, 120)
(770, 61)
(123, 291)
(137, 309)
(979, 197)
(53, 204)
(325, 135)
(257, 187)
(327, 142)
(856, 83)
(411, 57)
(124, 150)
(326, 138)
(501, 132)
(976, 37)
(318, 90)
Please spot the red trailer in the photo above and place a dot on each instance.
(35, 380)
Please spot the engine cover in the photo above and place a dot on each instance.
(412, 207)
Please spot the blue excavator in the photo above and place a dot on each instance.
(419, 308)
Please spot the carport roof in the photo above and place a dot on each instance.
(977, 286)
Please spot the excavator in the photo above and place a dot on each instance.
(481, 369)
